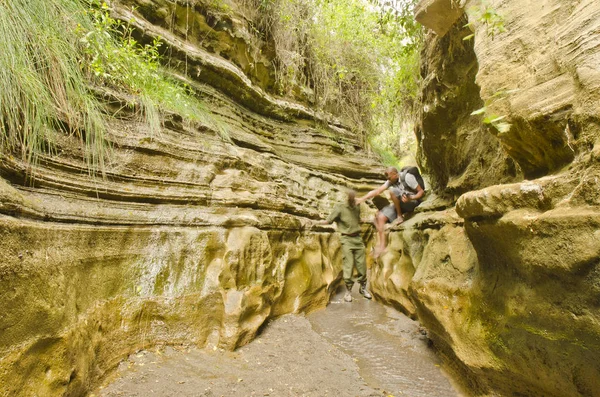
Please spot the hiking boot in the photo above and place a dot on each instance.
(364, 291)
(348, 295)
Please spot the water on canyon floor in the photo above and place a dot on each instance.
(390, 349)
(348, 349)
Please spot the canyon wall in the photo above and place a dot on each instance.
(197, 235)
(507, 280)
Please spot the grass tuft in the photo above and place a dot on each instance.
(42, 87)
(53, 52)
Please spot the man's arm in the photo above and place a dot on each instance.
(372, 193)
(330, 219)
(411, 197)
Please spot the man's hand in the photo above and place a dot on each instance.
(405, 198)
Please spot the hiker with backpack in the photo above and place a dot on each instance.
(406, 189)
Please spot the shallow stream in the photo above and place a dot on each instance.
(391, 350)
(357, 349)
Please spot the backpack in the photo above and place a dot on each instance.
(415, 172)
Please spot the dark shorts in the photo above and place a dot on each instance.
(390, 210)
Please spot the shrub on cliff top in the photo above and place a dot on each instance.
(358, 58)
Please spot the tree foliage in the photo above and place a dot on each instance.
(355, 58)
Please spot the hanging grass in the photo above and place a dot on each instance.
(53, 51)
(42, 87)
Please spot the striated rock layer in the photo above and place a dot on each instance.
(197, 235)
(507, 281)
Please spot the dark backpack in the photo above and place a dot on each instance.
(415, 172)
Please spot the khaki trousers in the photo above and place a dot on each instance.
(353, 255)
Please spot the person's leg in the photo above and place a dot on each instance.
(361, 267)
(386, 214)
(360, 263)
(409, 207)
(347, 265)
(380, 220)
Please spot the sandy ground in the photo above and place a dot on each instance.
(348, 349)
(288, 359)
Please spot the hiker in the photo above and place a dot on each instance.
(405, 193)
(347, 217)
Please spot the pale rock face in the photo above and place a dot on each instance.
(549, 56)
(438, 15)
(193, 239)
(507, 282)
(391, 277)
(510, 293)
(456, 149)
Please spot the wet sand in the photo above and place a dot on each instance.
(348, 349)
(391, 350)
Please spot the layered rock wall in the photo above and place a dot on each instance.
(507, 280)
(197, 235)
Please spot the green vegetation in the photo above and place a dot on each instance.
(113, 57)
(493, 119)
(54, 53)
(485, 14)
(354, 58)
(42, 87)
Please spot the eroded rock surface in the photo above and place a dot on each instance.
(507, 281)
(548, 57)
(196, 235)
(456, 149)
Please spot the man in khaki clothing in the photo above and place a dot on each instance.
(347, 217)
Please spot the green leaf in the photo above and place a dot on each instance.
(488, 119)
(497, 119)
(479, 111)
(469, 37)
(503, 127)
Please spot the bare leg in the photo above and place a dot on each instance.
(396, 202)
(380, 221)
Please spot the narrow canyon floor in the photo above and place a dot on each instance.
(360, 348)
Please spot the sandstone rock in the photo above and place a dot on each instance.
(551, 110)
(192, 237)
(457, 150)
(509, 292)
(438, 15)
(510, 298)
